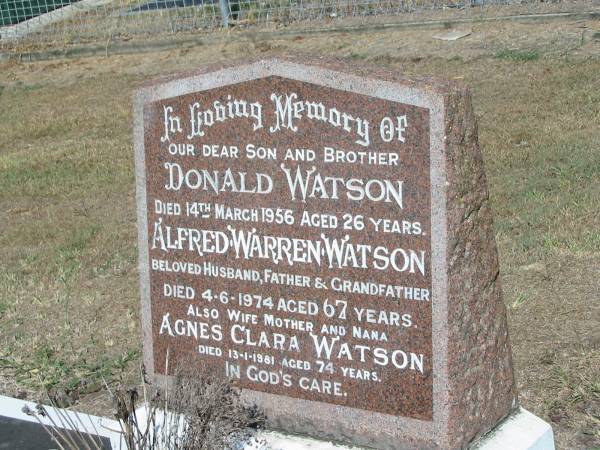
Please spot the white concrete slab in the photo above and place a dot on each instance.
(102, 426)
(520, 431)
(452, 35)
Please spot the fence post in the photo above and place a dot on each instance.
(224, 5)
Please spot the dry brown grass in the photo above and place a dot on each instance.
(199, 410)
(68, 282)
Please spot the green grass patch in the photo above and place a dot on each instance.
(47, 367)
(519, 300)
(518, 55)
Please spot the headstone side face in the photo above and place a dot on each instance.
(446, 317)
(481, 381)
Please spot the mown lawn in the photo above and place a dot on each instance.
(68, 280)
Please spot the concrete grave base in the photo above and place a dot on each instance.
(520, 431)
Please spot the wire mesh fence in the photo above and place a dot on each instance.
(63, 22)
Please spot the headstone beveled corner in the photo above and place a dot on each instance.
(322, 235)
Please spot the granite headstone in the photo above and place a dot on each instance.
(321, 234)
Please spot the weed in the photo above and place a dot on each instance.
(29, 87)
(355, 55)
(48, 369)
(518, 55)
(200, 411)
(519, 300)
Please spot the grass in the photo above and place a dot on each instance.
(69, 302)
(48, 368)
(548, 158)
(518, 55)
(519, 300)
(61, 278)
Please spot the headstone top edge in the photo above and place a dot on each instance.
(437, 87)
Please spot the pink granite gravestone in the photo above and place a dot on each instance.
(321, 234)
